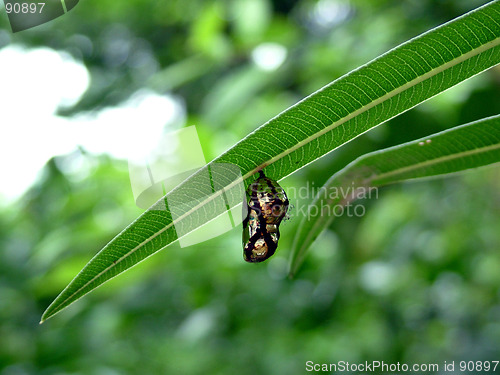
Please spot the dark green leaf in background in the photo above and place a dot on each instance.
(464, 147)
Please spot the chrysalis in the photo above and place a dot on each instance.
(267, 205)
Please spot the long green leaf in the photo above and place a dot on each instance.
(468, 146)
(339, 112)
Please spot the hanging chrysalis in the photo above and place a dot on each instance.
(267, 205)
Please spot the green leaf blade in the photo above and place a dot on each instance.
(334, 115)
(121, 253)
(464, 147)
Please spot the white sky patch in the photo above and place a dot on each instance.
(34, 84)
(132, 129)
(328, 13)
(269, 56)
(377, 277)
(39, 80)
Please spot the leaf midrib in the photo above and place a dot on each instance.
(436, 161)
(378, 101)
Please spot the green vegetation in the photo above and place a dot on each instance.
(414, 280)
(317, 125)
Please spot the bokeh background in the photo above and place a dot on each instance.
(415, 280)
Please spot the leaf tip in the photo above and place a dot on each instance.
(46, 315)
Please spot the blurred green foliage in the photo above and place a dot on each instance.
(414, 280)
